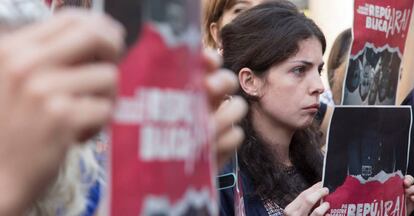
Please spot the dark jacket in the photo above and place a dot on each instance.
(253, 204)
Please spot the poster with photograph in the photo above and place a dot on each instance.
(366, 160)
(161, 158)
(380, 32)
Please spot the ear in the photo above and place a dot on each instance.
(215, 33)
(250, 83)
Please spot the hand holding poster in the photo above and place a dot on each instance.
(380, 30)
(366, 160)
(161, 162)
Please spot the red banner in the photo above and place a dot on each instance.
(380, 32)
(374, 198)
(382, 23)
(161, 159)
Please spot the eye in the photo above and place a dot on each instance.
(238, 10)
(300, 70)
(239, 7)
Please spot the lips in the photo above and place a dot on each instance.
(313, 107)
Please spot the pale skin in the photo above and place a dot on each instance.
(43, 74)
(58, 83)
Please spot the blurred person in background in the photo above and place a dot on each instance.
(218, 13)
(337, 61)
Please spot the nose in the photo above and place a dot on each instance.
(316, 86)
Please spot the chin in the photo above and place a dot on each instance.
(305, 123)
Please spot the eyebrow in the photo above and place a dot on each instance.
(307, 63)
(241, 1)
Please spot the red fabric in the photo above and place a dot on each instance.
(151, 64)
(370, 13)
(372, 198)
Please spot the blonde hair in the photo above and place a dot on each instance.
(213, 12)
(68, 195)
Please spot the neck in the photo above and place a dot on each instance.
(273, 133)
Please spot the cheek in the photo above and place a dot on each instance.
(280, 100)
(227, 18)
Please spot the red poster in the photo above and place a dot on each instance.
(161, 159)
(380, 32)
(366, 160)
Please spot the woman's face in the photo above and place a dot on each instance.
(236, 9)
(229, 15)
(291, 89)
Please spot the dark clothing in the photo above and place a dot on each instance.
(409, 100)
(254, 204)
(297, 183)
(321, 112)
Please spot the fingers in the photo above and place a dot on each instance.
(92, 79)
(65, 40)
(220, 84)
(229, 136)
(43, 30)
(312, 198)
(86, 41)
(212, 60)
(321, 210)
(409, 187)
(48, 29)
(410, 193)
(227, 144)
(408, 181)
(88, 115)
(229, 140)
(304, 203)
(231, 112)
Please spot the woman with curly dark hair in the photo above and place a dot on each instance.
(277, 54)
